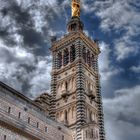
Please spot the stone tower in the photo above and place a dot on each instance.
(75, 87)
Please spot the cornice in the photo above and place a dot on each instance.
(71, 37)
(66, 106)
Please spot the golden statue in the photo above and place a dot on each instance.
(75, 8)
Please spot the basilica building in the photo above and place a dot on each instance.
(73, 110)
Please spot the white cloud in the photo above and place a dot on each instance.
(122, 116)
(117, 14)
(19, 67)
(106, 69)
(123, 50)
(86, 7)
(41, 77)
(135, 69)
(120, 16)
(22, 66)
(104, 56)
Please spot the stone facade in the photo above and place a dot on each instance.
(22, 119)
(75, 94)
(76, 97)
(73, 110)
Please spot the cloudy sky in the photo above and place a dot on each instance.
(25, 59)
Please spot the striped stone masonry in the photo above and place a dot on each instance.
(80, 93)
(53, 87)
(88, 96)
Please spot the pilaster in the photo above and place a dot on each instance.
(53, 87)
(80, 93)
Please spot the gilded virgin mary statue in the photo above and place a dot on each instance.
(75, 8)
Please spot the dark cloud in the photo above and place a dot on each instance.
(16, 12)
(31, 37)
(124, 118)
(6, 36)
(6, 56)
(4, 11)
(3, 32)
(25, 83)
(29, 68)
(19, 30)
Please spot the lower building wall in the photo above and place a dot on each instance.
(20, 119)
(7, 134)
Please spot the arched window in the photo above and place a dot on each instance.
(72, 111)
(73, 27)
(66, 86)
(63, 138)
(84, 54)
(46, 129)
(72, 53)
(91, 135)
(59, 60)
(86, 133)
(9, 110)
(4, 137)
(66, 57)
(19, 115)
(89, 89)
(92, 61)
(29, 119)
(37, 124)
(66, 116)
(88, 58)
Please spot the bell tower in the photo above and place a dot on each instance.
(75, 86)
